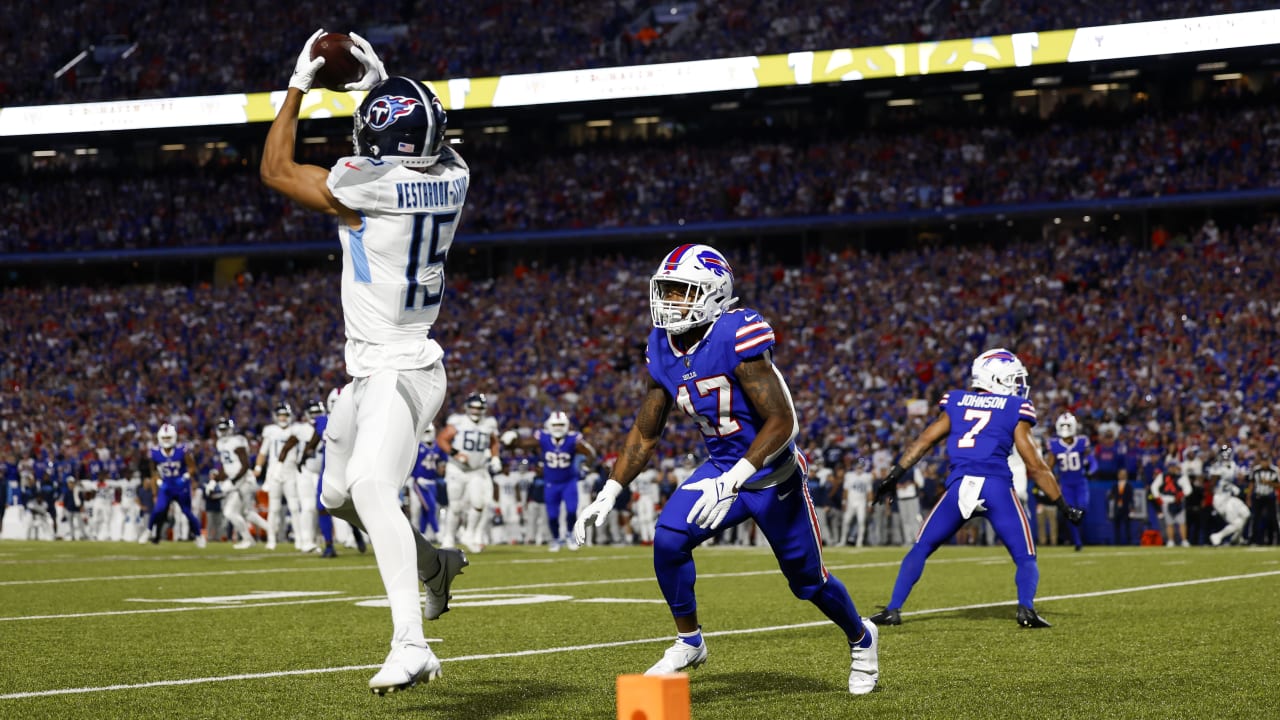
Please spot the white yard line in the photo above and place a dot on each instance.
(620, 643)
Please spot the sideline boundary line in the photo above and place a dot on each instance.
(619, 643)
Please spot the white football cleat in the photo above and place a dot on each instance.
(554, 546)
(451, 563)
(572, 542)
(864, 670)
(406, 665)
(244, 544)
(679, 657)
(200, 541)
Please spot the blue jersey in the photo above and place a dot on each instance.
(982, 426)
(557, 457)
(702, 384)
(170, 466)
(428, 464)
(1071, 459)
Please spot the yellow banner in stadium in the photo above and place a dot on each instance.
(1147, 39)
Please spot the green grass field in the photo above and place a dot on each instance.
(95, 630)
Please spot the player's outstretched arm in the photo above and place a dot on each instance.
(304, 184)
(931, 436)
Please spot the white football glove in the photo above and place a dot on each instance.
(598, 510)
(718, 494)
(374, 72)
(304, 71)
(508, 437)
(495, 465)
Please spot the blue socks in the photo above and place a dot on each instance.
(693, 639)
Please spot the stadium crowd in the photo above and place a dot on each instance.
(1230, 142)
(150, 48)
(1156, 348)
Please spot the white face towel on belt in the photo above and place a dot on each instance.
(970, 490)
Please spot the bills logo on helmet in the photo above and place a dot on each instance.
(710, 259)
(715, 263)
(386, 109)
(1001, 355)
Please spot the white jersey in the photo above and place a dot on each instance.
(857, 483)
(273, 440)
(393, 265)
(302, 432)
(316, 461)
(474, 439)
(508, 487)
(228, 457)
(645, 485)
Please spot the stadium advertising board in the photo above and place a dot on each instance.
(1165, 37)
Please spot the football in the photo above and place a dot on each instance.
(340, 66)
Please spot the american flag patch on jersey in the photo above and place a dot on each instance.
(405, 147)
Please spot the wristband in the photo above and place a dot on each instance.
(740, 473)
(612, 488)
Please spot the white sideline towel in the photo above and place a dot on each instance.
(969, 500)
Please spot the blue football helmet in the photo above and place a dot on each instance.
(400, 120)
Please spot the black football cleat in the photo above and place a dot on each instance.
(888, 616)
(1028, 618)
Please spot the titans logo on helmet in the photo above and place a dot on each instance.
(385, 110)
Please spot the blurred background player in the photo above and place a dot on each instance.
(645, 499)
(510, 501)
(393, 258)
(428, 471)
(328, 525)
(982, 427)
(715, 363)
(297, 434)
(1073, 462)
(306, 450)
(857, 481)
(470, 440)
(558, 447)
(172, 469)
(240, 487)
(270, 467)
(1223, 471)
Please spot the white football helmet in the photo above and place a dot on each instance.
(284, 414)
(692, 286)
(1066, 425)
(557, 425)
(1001, 372)
(167, 436)
(429, 435)
(332, 399)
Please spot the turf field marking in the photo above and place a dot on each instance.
(600, 646)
